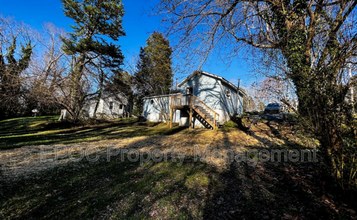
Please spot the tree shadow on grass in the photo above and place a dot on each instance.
(120, 189)
(272, 190)
(53, 135)
(175, 130)
(109, 188)
(22, 126)
(19, 126)
(276, 133)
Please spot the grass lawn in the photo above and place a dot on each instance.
(172, 188)
(46, 130)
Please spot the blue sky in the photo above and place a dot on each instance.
(137, 24)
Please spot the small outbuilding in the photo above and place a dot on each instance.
(109, 106)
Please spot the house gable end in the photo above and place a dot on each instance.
(199, 73)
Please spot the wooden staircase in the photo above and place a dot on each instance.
(204, 117)
(196, 109)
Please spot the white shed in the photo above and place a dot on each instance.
(109, 105)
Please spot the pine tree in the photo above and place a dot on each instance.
(154, 72)
(95, 22)
(143, 80)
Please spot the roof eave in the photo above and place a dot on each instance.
(211, 75)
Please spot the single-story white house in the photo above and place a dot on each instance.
(209, 100)
(108, 106)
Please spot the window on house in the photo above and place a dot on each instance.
(152, 101)
(228, 93)
(111, 104)
(120, 106)
(189, 90)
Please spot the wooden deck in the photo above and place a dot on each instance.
(195, 107)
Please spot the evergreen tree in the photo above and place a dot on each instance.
(154, 71)
(95, 22)
(121, 81)
(10, 82)
(143, 80)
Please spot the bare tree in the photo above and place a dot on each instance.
(315, 40)
(46, 69)
(49, 78)
(45, 80)
(13, 63)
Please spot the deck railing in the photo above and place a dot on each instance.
(180, 101)
(191, 101)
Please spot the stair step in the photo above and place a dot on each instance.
(204, 117)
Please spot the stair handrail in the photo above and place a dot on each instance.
(214, 112)
(190, 98)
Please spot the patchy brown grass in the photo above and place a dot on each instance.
(52, 185)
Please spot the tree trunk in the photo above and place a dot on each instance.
(101, 85)
(76, 87)
(320, 116)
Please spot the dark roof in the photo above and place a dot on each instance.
(223, 80)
